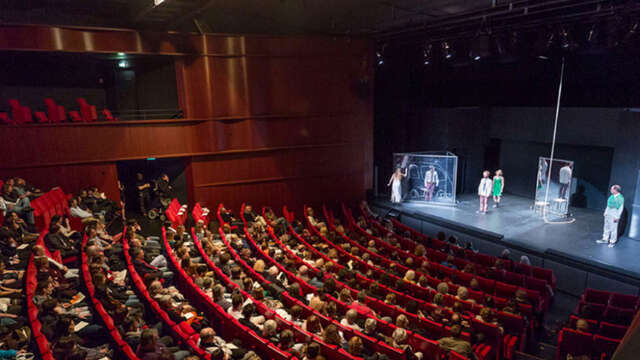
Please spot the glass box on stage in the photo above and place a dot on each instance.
(553, 185)
(431, 176)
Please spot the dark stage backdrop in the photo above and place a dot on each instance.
(592, 168)
(603, 143)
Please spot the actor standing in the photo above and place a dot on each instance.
(430, 182)
(484, 191)
(615, 206)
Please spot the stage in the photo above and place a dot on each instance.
(567, 248)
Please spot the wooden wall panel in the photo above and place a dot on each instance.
(46, 145)
(294, 193)
(269, 119)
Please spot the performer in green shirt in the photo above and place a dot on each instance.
(615, 206)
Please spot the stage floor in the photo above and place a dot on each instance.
(518, 224)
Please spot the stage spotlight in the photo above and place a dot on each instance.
(592, 34)
(547, 47)
(447, 51)
(123, 64)
(121, 54)
(632, 33)
(379, 58)
(426, 54)
(480, 47)
(380, 55)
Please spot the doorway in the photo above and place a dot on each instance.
(152, 169)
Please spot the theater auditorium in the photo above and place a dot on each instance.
(311, 180)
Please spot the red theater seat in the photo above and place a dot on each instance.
(574, 343)
(75, 117)
(41, 117)
(596, 296)
(87, 112)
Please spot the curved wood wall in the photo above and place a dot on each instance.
(269, 120)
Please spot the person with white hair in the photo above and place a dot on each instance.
(270, 331)
(524, 259)
(349, 320)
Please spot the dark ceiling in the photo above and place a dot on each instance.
(238, 16)
(382, 19)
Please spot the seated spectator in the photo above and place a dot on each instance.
(443, 288)
(370, 326)
(355, 346)
(79, 212)
(269, 331)
(235, 309)
(350, 320)
(456, 343)
(582, 325)
(56, 241)
(332, 336)
(361, 306)
(18, 203)
(410, 277)
(463, 294)
(312, 351)
(399, 340)
(313, 325)
(152, 349)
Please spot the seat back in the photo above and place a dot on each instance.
(574, 343)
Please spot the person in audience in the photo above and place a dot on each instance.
(332, 336)
(360, 305)
(313, 325)
(399, 340)
(18, 203)
(312, 351)
(152, 349)
(582, 325)
(269, 331)
(79, 212)
(350, 320)
(55, 241)
(456, 343)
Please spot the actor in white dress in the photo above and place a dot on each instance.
(615, 206)
(430, 182)
(396, 185)
(484, 191)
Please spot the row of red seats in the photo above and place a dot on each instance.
(576, 343)
(124, 347)
(602, 328)
(428, 347)
(21, 115)
(436, 331)
(182, 331)
(609, 313)
(488, 286)
(225, 322)
(176, 213)
(377, 346)
(525, 279)
(31, 283)
(53, 202)
(483, 259)
(510, 341)
(622, 301)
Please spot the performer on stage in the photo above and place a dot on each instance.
(615, 206)
(396, 185)
(484, 191)
(498, 186)
(564, 180)
(430, 182)
(542, 172)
